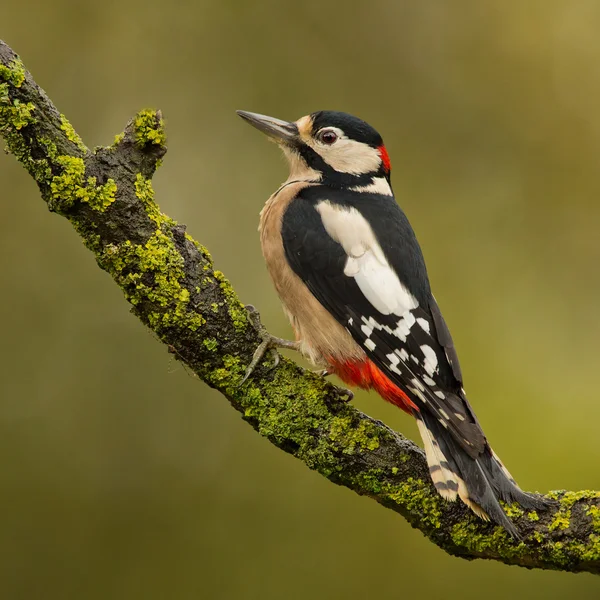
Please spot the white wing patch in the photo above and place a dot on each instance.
(366, 261)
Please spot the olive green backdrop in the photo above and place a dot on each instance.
(124, 477)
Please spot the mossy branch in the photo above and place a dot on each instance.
(173, 288)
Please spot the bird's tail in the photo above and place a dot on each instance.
(479, 482)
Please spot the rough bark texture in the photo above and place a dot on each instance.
(169, 280)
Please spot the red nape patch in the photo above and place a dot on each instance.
(367, 375)
(385, 158)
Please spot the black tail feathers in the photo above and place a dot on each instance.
(479, 482)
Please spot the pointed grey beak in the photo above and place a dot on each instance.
(275, 128)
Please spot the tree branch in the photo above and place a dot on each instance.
(169, 280)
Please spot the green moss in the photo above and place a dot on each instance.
(71, 134)
(395, 470)
(149, 129)
(215, 308)
(236, 309)
(363, 437)
(210, 344)
(71, 186)
(533, 516)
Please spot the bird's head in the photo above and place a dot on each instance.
(328, 146)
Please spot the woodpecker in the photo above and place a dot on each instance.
(352, 279)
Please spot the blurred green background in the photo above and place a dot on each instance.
(125, 477)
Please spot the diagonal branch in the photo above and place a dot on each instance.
(169, 280)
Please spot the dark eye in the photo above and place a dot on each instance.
(328, 137)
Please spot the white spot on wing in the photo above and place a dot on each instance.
(417, 384)
(370, 344)
(403, 326)
(424, 323)
(431, 360)
(366, 330)
(394, 360)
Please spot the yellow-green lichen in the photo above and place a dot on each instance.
(562, 517)
(153, 273)
(593, 511)
(14, 74)
(533, 516)
(416, 496)
(468, 534)
(15, 116)
(236, 309)
(71, 134)
(71, 186)
(145, 193)
(561, 520)
(363, 437)
(149, 129)
(210, 344)
(538, 537)
(513, 511)
(203, 250)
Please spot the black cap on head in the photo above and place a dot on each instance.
(353, 127)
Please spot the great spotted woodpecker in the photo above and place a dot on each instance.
(352, 279)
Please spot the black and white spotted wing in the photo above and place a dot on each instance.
(414, 349)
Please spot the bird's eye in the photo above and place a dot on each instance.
(327, 136)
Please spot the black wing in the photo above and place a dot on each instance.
(415, 351)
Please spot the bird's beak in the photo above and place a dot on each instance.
(280, 131)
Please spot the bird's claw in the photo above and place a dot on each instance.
(344, 394)
(269, 343)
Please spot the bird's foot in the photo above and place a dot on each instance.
(322, 372)
(344, 394)
(269, 343)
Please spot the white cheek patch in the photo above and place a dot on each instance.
(366, 261)
(379, 185)
(346, 155)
